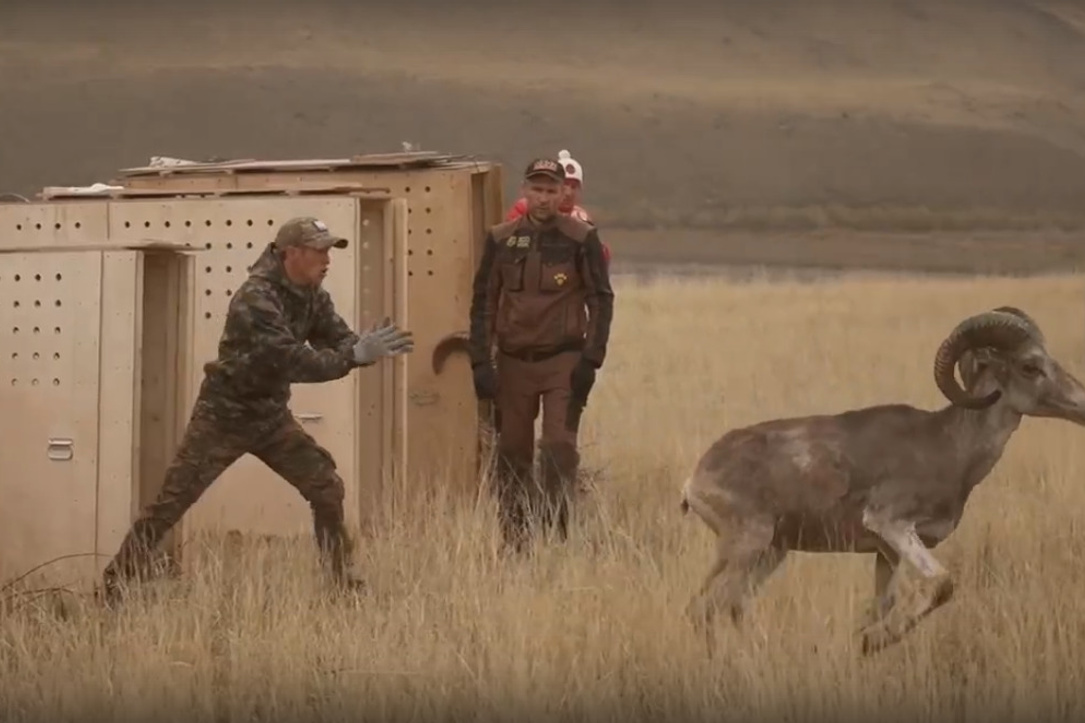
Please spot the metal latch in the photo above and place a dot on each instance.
(60, 450)
(310, 417)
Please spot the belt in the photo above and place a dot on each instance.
(536, 355)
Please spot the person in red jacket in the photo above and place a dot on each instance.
(574, 185)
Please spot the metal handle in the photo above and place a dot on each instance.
(60, 450)
(313, 417)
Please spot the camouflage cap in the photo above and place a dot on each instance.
(545, 167)
(307, 231)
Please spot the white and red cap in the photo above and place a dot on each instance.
(573, 170)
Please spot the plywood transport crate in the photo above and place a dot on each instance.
(415, 224)
(94, 374)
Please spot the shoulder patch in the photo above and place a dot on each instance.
(504, 229)
(574, 228)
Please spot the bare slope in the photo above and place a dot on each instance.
(910, 114)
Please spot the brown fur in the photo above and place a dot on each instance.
(890, 479)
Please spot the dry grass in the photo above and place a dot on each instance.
(593, 629)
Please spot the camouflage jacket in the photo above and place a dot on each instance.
(276, 334)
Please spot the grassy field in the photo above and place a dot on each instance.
(593, 629)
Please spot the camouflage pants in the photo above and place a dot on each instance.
(526, 388)
(215, 439)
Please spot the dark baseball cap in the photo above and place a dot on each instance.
(308, 231)
(545, 167)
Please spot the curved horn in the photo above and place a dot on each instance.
(1000, 329)
(1036, 333)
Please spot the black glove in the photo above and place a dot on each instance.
(485, 380)
(582, 380)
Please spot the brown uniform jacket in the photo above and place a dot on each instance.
(540, 290)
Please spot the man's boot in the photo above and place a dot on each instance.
(132, 561)
(336, 553)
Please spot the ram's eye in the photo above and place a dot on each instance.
(1031, 369)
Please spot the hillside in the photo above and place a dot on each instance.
(781, 114)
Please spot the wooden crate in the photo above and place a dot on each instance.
(93, 381)
(415, 236)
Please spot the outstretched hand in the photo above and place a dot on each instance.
(384, 339)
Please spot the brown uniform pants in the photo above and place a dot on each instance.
(212, 442)
(522, 388)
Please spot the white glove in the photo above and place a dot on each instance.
(384, 339)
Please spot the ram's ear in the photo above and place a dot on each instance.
(973, 362)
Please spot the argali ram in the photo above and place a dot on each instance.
(891, 480)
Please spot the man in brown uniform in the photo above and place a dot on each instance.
(542, 297)
(281, 329)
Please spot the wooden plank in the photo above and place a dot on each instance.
(53, 225)
(121, 367)
(414, 159)
(55, 192)
(443, 409)
(233, 167)
(387, 370)
(394, 383)
(391, 181)
(403, 159)
(372, 402)
(400, 438)
(487, 210)
(181, 343)
(367, 182)
(49, 325)
(150, 245)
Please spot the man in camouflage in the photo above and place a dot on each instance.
(542, 297)
(242, 405)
